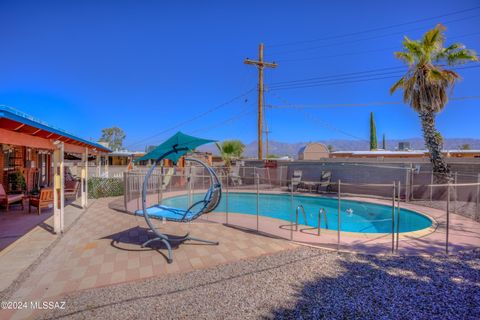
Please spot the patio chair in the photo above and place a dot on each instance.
(167, 178)
(43, 200)
(172, 149)
(325, 181)
(295, 180)
(7, 199)
(71, 189)
(235, 176)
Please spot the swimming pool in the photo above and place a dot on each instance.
(356, 216)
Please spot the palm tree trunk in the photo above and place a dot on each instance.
(434, 145)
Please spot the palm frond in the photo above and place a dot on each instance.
(461, 56)
(414, 47)
(406, 57)
(398, 84)
(434, 38)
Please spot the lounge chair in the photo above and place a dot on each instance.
(295, 180)
(235, 176)
(167, 178)
(71, 188)
(7, 199)
(325, 181)
(43, 200)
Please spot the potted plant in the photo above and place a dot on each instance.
(17, 182)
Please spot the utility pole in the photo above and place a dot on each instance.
(260, 66)
(266, 140)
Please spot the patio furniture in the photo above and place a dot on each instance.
(43, 200)
(71, 189)
(167, 178)
(325, 181)
(235, 176)
(7, 199)
(173, 149)
(295, 180)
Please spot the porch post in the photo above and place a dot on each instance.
(106, 165)
(58, 187)
(84, 179)
(97, 162)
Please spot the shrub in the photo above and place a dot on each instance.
(104, 187)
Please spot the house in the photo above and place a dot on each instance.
(36, 150)
(313, 151)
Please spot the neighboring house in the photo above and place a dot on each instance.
(404, 154)
(313, 151)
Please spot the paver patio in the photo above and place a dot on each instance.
(103, 248)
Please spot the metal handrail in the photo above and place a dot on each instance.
(296, 216)
(322, 210)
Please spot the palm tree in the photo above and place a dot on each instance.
(426, 85)
(230, 150)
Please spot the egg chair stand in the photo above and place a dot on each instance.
(207, 204)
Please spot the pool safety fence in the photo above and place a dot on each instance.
(341, 215)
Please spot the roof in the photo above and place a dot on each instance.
(402, 152)
(20, 122)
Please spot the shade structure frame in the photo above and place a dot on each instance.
(166, 240)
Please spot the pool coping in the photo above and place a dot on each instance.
(464, 232)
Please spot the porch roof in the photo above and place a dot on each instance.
(19, 122)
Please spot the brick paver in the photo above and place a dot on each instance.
(103, 248)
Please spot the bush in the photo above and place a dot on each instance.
(104, 187)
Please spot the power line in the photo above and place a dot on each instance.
(182, 123)
(385, 49)
(226, 121)
(345, 80)
(370, 104)
(341, 76)
(319, 121)
(368, 38)
(375, 29)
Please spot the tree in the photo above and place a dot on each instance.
(230, 150)
(330, 148)
(426, 85)
(373, 133)
(465, 146)
(114, 136)
(384, 142)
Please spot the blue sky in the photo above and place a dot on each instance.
(147, 66)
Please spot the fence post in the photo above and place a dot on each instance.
(407, 185)
(339, 213)
(291, 210)
(226, 201)
(431, 186)
(455, 193)
(398, 214)
(393, 217)
(257, 178)
(477, 215)
(161, 183)
(448, 219)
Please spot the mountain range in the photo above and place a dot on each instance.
(291, 149)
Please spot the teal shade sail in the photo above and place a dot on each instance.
(180, 143)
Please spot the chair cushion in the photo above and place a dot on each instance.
(169, 213)
(15, 197)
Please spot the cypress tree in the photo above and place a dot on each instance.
(384, 143)
(373, 133)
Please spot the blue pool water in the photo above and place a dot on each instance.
(355, 216)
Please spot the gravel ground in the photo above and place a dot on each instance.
(303, 283)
